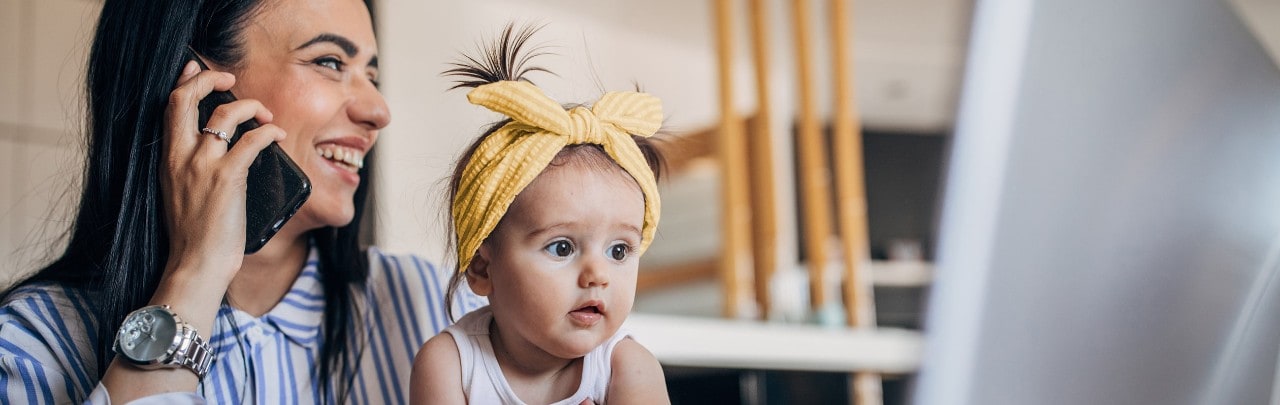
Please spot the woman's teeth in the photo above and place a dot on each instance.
(351, 159)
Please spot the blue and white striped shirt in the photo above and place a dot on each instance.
(46, 349)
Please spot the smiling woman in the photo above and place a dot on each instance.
(320, 81)
(153, 297)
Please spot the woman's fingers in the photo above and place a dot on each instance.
(182, 113)
(189, 70)
(241, 156)
(224, 120)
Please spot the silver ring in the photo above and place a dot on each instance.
(220, 134)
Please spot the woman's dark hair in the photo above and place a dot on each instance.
(118, 244)
(505, 60)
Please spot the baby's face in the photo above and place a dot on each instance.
(563, 261)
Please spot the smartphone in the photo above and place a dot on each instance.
(276, 186)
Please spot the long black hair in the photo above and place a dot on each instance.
(118, 244)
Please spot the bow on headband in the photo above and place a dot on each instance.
(511, 157)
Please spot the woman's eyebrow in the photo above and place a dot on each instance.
(347, 46)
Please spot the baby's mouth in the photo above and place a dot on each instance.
(347, 158)
(588, 314)
(592, 309)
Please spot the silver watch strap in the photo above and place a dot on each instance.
(193, 353)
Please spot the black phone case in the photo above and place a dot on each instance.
(277, 188)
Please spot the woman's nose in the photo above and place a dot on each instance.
(368, 108)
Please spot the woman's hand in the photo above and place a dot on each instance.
(203, 181)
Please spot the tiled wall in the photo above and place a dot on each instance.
(43, 45)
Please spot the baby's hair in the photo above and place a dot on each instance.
(501, 60)
(505, 60)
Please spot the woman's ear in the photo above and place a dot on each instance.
(478, 272)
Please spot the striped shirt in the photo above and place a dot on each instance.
(46, 349)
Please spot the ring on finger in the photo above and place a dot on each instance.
(220, 134)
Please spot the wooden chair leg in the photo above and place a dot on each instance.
(763, 208)
(851, 201)
(814, 178)
(735, 222)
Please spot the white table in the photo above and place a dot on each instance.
(721, 343)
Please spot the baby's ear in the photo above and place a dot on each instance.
(478, 272)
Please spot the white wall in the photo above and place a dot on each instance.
(44, 46)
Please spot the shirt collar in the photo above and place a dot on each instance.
(300, 313)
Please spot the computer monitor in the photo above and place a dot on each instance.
(1110, 226)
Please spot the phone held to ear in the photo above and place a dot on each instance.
(276, 186)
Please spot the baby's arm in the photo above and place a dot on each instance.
(437, 373)
(637, 376)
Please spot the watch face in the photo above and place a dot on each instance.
(147, 335)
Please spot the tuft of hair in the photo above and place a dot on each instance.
(501, 60)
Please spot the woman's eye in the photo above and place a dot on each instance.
(329, 62)
(560, 248)
(619, 251)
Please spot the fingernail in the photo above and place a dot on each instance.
(190, 68)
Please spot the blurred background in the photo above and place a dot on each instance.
(905, 63)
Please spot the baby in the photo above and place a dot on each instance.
(552, 209)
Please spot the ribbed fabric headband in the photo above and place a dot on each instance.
(511, 157)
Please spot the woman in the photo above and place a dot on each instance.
(157, 244)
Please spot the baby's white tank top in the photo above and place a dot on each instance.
(482, 378)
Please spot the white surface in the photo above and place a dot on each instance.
(790, 289)
(901, 273)
(704, 342)
(1110, 231)
(971, 202)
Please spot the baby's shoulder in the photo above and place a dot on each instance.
(630, 353)
(636, 375)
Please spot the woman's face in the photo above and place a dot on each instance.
(313, 64)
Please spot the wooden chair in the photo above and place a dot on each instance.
(741, 149)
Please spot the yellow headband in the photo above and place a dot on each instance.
(511, 157)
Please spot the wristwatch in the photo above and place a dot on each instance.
(154, 337)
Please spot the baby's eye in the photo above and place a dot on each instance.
(619, 251)
(559, 248)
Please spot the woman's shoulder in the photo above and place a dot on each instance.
(410, 270)
(45, 303)
(47, 326)
(402, 293)
(405, 279)
(415, 282)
